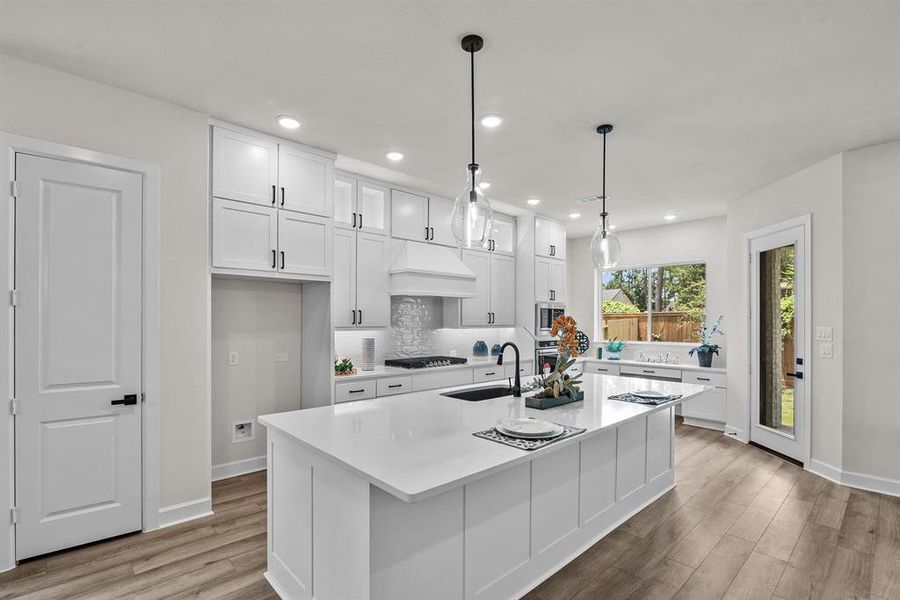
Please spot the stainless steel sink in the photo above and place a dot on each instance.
(481, 393)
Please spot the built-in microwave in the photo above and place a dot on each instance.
(544, 315)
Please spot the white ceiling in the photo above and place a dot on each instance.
(709, 100)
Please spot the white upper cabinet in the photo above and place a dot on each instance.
(344, 202)
(542, 279)
(373, 294)
(477, 311)
(373, 202)
(409, 216)
(557, 281)
(244, 236)
(502, 237)
(305, 244)
(244, 167)
(304, 181)
(503, 282)
(439, 212)
(343, 284)
(550, 238)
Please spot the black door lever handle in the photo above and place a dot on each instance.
(127, 400)
(797, 375)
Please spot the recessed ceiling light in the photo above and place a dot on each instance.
(394, 155)
(574, 215)
(491, 121)
(670, 217)
(288, 122)
(533, 201)
(484, 185)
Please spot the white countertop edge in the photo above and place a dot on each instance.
(527, 455)
(385, 371)
(653, 365)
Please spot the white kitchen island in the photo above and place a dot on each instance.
(394, 498)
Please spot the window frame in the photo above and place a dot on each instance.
(598, 295)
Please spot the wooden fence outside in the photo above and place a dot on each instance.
(667, 326)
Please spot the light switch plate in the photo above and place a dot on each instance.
(232, 358)
(824, 333)
(282, 357)
(826, 350)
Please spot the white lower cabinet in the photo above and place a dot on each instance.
(709, 408)
(490, 372)
(390, 386)
(495, 282)
(361, 283)
(346, 391)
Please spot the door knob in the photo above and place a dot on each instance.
(127, 400)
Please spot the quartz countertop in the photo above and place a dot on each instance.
(417, 445)
(385, 371)
(638, 363)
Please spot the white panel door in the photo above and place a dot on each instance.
(476, 311)
(244, 167)
(439, 212)
(542, 279)
(503, 286)
(557, 239)
(78, 352)
(343, 283)
(373, 294)
(304, 244)
(305, 181)
(542, 235)
(409, 216)
(557, 281)
(245, 236)
(344, 202)
(373, 206)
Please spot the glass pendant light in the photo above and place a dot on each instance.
(605, 247)
(472, 217)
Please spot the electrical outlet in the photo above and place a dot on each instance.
(824, 333)
(232, 358)
(826, 350)
(242, 431)
(282, 357)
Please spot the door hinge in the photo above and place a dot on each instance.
(13, 406)
(14, 515)
(14, 188)
(13, 297)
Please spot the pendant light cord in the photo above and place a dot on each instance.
(604, 214)
(473, 166)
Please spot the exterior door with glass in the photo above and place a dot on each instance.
(778, 387)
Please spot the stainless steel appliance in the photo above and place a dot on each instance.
(544, 315)
(421, 362)
(545, 353)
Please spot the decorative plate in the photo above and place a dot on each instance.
(530, 428)
(584, 342)
(650, 395)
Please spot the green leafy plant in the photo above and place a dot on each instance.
(706, 334)
(615, 345)
(343, 365)
(617, 307)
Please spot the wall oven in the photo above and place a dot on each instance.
(545, 355)
(544, 315)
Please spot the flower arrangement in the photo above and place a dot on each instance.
(343, 366)
(706, 349)
(558, 382)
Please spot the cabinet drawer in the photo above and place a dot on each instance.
(489, 373)
(441, 379)
(526, 368)
(354, 390)
(601, 368)
(394, 385)
(701, 378)
(650, 372)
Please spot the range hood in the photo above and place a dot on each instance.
(420, 269)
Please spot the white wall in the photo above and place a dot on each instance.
(54, 106)
(691, 241)
(816, 190)
(256, 319)
(871, 267)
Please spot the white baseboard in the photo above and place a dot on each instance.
(871, 483)
(734, 432)
(704, 423)
(238, 467)
(186, 511)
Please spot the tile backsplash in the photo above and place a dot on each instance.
(417, 329)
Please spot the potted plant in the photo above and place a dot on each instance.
(706, 349)
(614, 348)
(559, 387)
(343, 366)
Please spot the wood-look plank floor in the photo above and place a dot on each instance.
(741, 524)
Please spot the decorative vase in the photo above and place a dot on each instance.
(705, 359)
(368, 354)
(480, 350)
(613, 355)
(495, 350)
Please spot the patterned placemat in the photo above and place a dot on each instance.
(638, 400)
(495, 436)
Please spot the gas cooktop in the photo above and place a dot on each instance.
(421, 362)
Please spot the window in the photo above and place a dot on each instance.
(653, 304)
